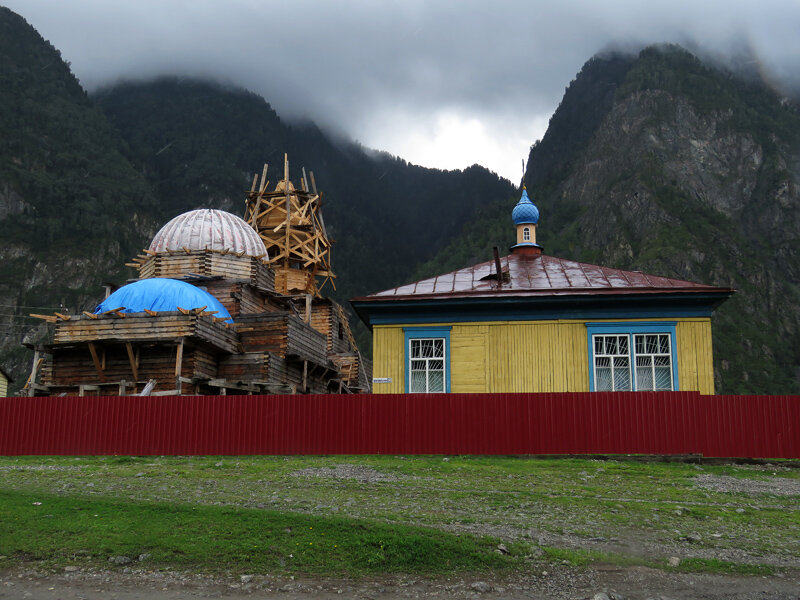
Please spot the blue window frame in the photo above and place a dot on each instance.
(634, 356)
(427, 359)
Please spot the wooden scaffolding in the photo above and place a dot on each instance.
(290, 222)
(286, 337)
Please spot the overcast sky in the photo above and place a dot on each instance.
(442, 84)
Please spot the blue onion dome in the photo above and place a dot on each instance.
(525, 211)
(161, 294)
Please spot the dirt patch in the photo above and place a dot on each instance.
(355, 472)
(777, 486)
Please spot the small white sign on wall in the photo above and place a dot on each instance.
(381, 380)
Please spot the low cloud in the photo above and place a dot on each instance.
(395, 75)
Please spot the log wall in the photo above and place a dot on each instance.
(209, 263)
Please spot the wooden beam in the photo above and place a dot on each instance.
(179, 359)
(132, 359)
(37, 362)
(96, 360)
(48, 318)
(288, 203)
(264, 178)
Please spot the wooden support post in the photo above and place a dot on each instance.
(179, 358)
(97, 364)
(305, 376)
(263, 187)
(123, 386)
(288, 206)
(31, 384)
(308, 307)
(134, 360)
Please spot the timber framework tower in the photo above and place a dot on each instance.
(221, 305)
(290, 223)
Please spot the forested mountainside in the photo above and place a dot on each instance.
(85, 183)
(661, 164)
(72, 207)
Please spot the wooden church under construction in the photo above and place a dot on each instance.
(222, 305)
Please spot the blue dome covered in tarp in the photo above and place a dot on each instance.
(158, 294)
(525, 211)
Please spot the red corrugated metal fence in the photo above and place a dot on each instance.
(586, 423)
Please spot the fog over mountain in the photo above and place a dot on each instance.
(441, 84)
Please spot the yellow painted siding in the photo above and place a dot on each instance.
(695, 364)
(3, 386)
(532, 356)
(388, 356)
(468, 359)
(538, 357)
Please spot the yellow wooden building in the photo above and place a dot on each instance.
(528, 322)
(5, 379)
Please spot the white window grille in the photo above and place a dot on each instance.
(612, 365)
(650, 353)
(653, 361)
(426, 357)
(526, 234)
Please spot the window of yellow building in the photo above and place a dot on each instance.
(633, 356)
(427, 359)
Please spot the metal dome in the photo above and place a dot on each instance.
(211, 229)
(161, 294)
(525, 211)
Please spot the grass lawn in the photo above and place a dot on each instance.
(367, 514)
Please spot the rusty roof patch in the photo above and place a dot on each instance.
(540, 276)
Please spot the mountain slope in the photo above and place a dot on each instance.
(684, 171)
(66, 190)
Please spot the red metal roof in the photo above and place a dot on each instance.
(542, 275)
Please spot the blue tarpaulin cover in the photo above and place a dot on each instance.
(159, 294)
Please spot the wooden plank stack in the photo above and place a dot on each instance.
(143, 327)
(205, 263)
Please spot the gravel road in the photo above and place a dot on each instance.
(598, 582)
